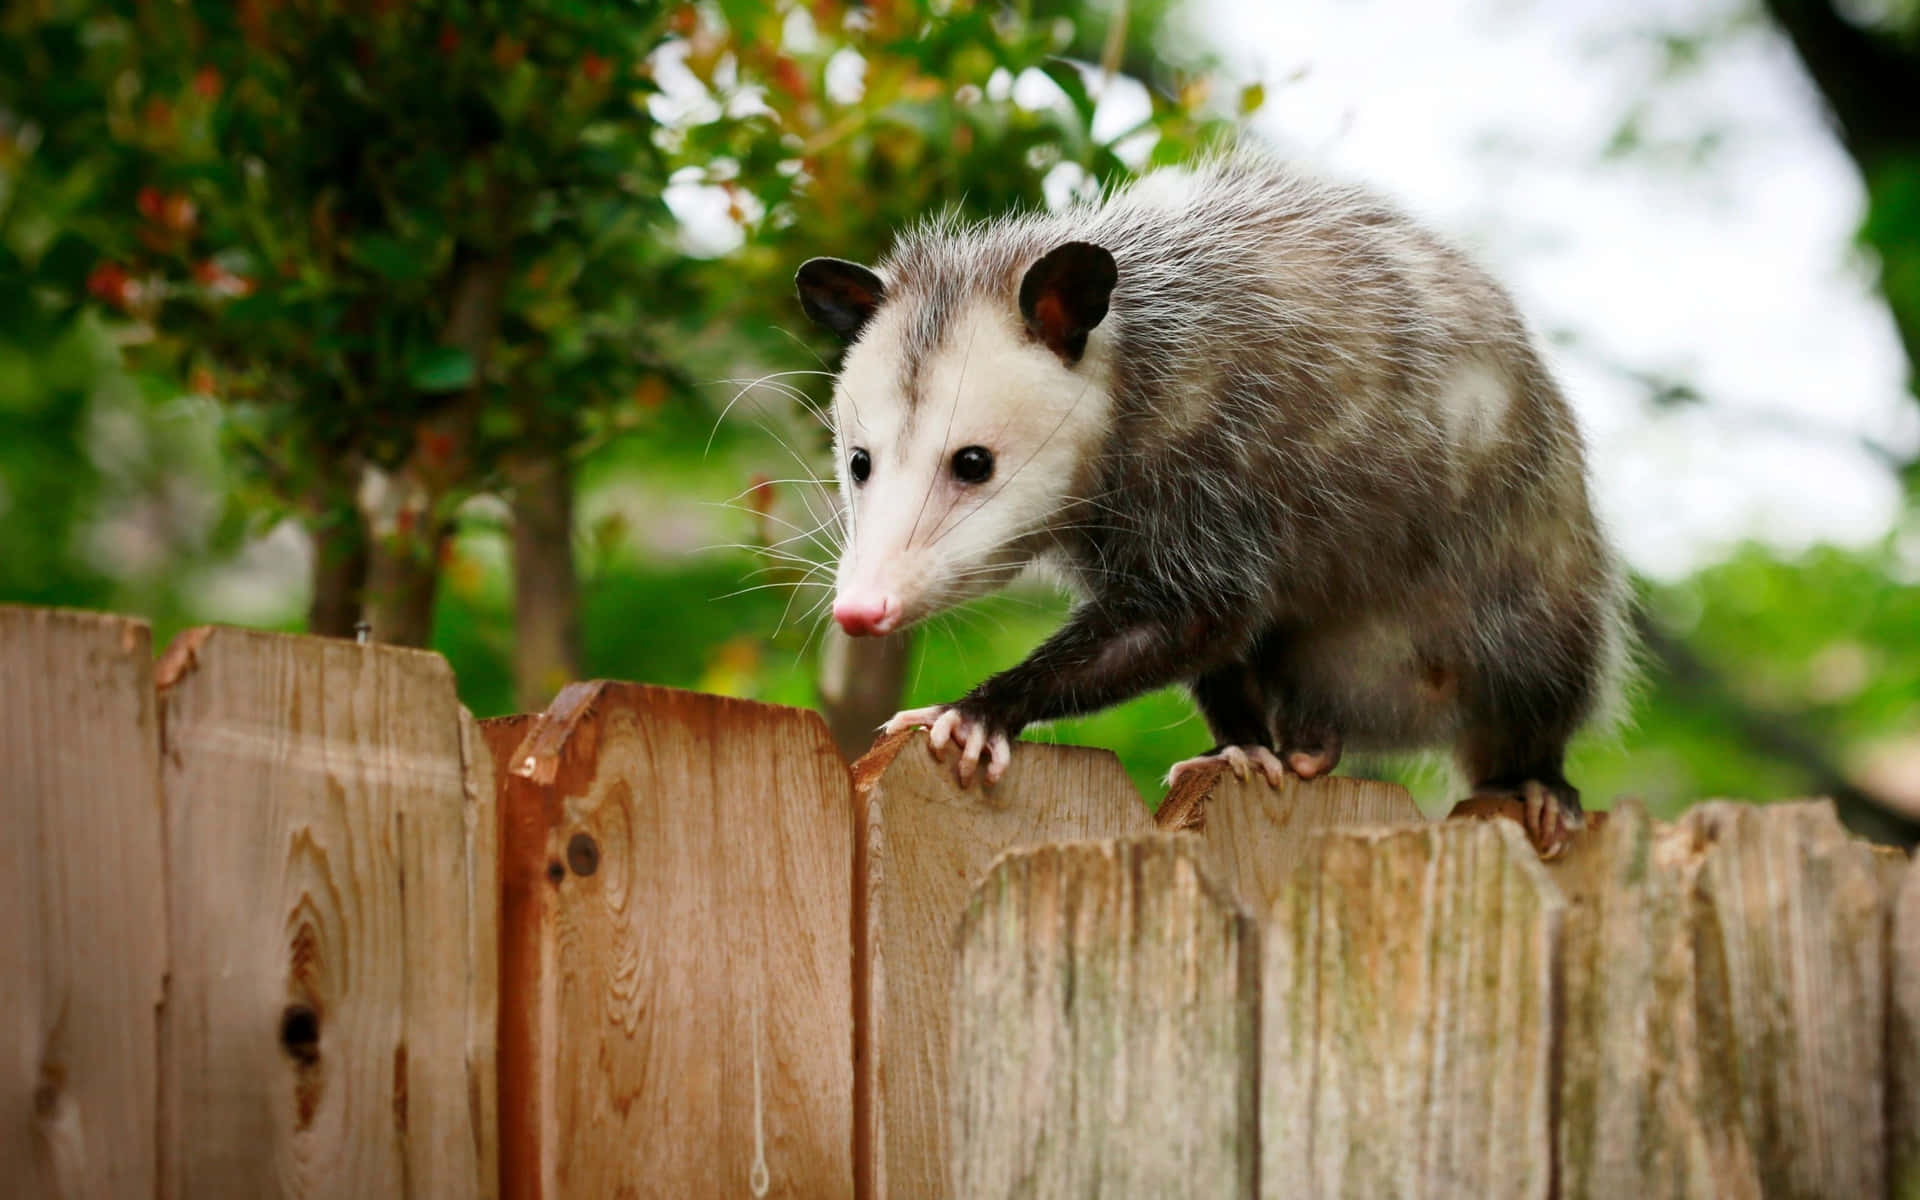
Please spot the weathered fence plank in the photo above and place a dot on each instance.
(330, 1019)
(925, 842)
(1253, 834)
(1408, 1017)
(1630, 1069)
(83, 935)
(678, 948)
(1903, 1039)
(1788, 932)
(1105, 1041)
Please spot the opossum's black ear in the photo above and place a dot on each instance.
(1065, 295)
(838, 294)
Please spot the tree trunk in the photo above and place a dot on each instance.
(339, 536)
(862, 681)
(403, 579)
(546, 593)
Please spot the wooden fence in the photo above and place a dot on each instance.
(281, 919)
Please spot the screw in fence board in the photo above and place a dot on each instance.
(330, 1020)
(1253, 834)
(1407, 1019)
(1105, 1040)
(1788, 922)
(1903, 1038)
(83, 936)
(924, 843)
(677, 947)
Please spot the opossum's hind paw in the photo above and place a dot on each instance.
(1550, 813)
(1241, 759)
(947, 726)
(1553, 816)
(1310, 750)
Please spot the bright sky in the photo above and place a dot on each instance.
(1489, 118)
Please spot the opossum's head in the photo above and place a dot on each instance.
(964, 416)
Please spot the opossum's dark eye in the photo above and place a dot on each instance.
(859, 466)
(972, 464)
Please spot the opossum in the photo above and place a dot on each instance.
(1282, 443)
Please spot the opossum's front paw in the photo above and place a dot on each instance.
(955, 725)
(1241, 759)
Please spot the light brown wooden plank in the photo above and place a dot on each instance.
(333, 906)
(82, 906)
(1630, 1078)
(1903, 1039)
(1789, 935)
(1407, 1017)
(1253, 834)
(1105, 1040)
(679, 931)
(926, 843)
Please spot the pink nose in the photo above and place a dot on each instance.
(867, 615)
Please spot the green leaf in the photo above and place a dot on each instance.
(398, 261)
(441, 369)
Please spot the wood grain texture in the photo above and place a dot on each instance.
(925, 842)
(1903, 1039)
(83, 939)
(1253, 834)
(678, 946)
(1408, 1017)
(1105, 1040)
(1630, 1078)
(333, 907)
(1789, 937)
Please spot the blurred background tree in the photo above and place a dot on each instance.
(475, 321)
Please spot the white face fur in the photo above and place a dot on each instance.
(919, 530)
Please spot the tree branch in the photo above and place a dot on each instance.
(1871, 85)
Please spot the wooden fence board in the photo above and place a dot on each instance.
(1788, 921)
(331, 847)
(1253, 834)
(679, 935)
(1903, 1039)
(1408, 1017)
(921, 829)
(82, 906)
(1630, 1078)
(1105, 1010)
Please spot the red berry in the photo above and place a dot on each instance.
(151, 202)
(110, 282)
(507, 52)
(595, 68)
(206, 82)
(179, 213)
(788, 77)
